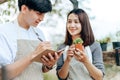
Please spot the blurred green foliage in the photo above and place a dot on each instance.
(50, 76)
(104, 40)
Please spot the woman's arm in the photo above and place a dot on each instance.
(97, 57)
(94, 69)
(94, 72)
(63, 72)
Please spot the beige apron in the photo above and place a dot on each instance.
(33, 71)
(77, 70)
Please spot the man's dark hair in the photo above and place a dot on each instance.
(42, 6)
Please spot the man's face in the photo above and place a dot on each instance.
(32, 17)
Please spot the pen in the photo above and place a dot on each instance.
(37, 35)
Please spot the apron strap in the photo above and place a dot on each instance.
(88, 52)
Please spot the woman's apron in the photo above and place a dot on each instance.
(34, 70)
(77, 70)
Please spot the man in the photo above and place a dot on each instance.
(20, 42)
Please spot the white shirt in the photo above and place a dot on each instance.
(9, 34)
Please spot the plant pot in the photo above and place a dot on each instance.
(79, 46)
(116, 44)
(103, 46)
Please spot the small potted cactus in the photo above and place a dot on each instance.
(78, 43)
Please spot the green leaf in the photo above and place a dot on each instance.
(78, 40)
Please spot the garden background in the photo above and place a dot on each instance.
(104, 17)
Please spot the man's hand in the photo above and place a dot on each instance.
(50, 60)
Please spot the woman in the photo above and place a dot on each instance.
(88, 64)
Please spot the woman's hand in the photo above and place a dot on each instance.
(80, 55)
(70, 52)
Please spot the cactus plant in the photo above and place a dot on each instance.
(78, 40)
(78, 43)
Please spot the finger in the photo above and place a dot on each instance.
(60, 53)
(45, 58)
(77, 57)
(61, 50)
(51, 56)
(77, 52)
(47, 61)
(43, 61)
(70, 50)
(57, 56)
(72, 46)
(77, 49)
(71, 53)
(81, 57)
(82, 52)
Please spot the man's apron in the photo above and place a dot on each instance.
(34, 70)
(77, 70)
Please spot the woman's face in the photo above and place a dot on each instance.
(73, 25)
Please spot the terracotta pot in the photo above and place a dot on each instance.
(79, 46)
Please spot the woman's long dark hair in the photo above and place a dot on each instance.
(86, 32)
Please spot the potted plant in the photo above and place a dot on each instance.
(103, 43)
(116, 43)
(78, 43)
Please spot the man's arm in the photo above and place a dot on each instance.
(17, 67)
(13, 69)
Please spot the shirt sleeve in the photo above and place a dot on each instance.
(60, 62)
(5, 51)
(97, 56)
